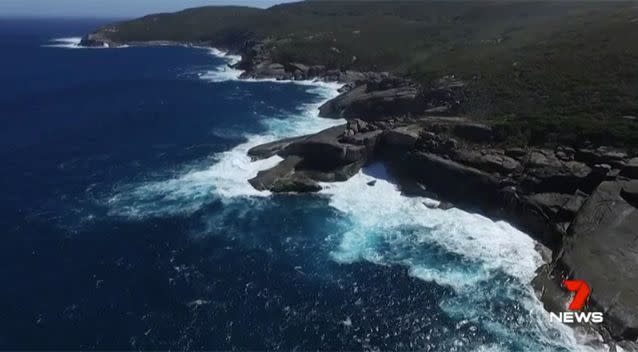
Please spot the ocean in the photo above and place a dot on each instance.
(128, 222)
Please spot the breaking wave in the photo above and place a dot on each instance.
(488, 265)
(223, 73)
(226, 175)
(481, 260)
(73, 43)
(65, 43)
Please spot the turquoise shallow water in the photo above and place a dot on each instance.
(128, 222)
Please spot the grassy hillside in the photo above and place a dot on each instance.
(546, 72)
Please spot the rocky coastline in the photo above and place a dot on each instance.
(580, 202)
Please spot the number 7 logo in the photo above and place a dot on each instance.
(582, 292)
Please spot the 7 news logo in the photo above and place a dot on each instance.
(578, 302)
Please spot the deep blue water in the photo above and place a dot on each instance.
(127, 222)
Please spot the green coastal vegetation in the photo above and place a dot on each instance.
(541, 72)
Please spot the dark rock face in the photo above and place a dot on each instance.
(557, 207)
(451, 178)
(268, 178)
(335, 154)
(94, 40)
(601, 155)
(602, 249)
(547, 173)
(488, 160)
(474, 132)
(375, 101)
(269, 69)
(91, 43)
(324, 150)
(629, 192)
(267, 150)
(631, 169)
(402, 137)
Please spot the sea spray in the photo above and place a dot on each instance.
(489, 264)
(227, 177)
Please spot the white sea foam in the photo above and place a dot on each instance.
(65, 43)
(466, 252)
(380, 211)
(387, 228)
(228, 174)
(223, 73)
(74, 43)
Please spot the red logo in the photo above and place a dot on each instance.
(582, 292)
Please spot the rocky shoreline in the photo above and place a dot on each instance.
(578, 201)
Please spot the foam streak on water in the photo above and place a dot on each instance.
(228, 174)
(73, 43)
(65, 43)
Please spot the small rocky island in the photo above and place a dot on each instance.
(526, 130)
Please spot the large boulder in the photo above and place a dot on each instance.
(269, 69)
(327, 156)
(475, 132)
(337, 174)
(402, 137)
(602, 250)
(451, 179)
(284, 178)
(544, 172)
(369, 139)
(324, 150)
(629, 192)
(298, 70)
(601, 155)
(489, 160)
(375, 101)
(557, 207)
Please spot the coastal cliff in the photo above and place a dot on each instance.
(516, 141)
(578, 202)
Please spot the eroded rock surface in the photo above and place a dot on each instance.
(375, 101)
(602, 249)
